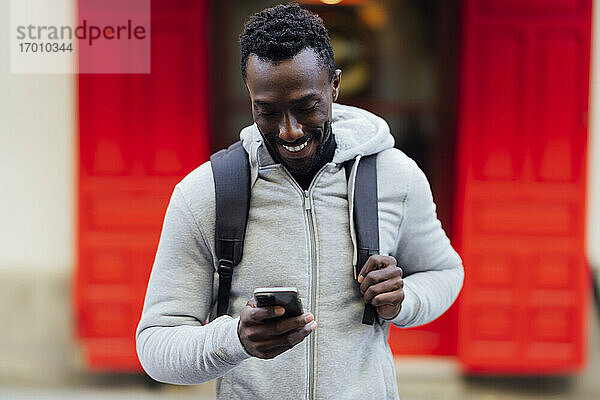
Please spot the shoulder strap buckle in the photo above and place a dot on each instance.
(225, 268)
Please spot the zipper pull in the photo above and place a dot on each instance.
(306, 200)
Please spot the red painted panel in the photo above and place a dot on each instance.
(500, 105)
(103, 119)
(521, 172)
(528, 8)
(559, 108)
(139, 135)
(512, 216)
(107, 265)
(436, 338)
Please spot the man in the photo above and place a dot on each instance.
(299, 234)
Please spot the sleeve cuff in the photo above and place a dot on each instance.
(231, 348)
(410, 307)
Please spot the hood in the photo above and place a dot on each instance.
(357, 133)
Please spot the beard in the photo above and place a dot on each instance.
(323, 136)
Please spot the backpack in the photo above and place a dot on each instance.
(231, 174)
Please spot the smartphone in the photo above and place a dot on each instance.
(287, 297)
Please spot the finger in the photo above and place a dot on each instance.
(388, 285)
(251, 303)
(389, 298)
(272, 346)
(298, 335)
(375, 262)
(369, 266)
(374, 277)
(258, 315)
(295, 336)
(289, 324)
(268, 350)
(255, 333)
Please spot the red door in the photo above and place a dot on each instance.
(522, 135)
(139, 135)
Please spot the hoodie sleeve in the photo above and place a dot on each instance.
(173, 344)
(433, 270)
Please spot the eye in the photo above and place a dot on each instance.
(308, 109)
(267, 114)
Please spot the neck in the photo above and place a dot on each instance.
(324, 156)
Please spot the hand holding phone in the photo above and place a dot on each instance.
(273, 322)
(286, 297)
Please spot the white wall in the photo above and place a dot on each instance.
(593, 199)
(37, 153)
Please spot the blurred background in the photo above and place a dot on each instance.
(498, 101)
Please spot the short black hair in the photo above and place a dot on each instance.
(279, 33)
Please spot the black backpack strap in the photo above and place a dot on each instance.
(366, 220)
(231, 174)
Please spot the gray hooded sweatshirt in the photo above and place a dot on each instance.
(304, 239)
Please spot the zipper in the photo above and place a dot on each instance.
(313, 294)
(310, 384)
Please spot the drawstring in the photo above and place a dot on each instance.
(351, 182)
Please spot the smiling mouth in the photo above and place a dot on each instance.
(295, 149)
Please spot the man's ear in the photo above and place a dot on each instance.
(335, 84)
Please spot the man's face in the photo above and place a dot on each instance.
(291, 105)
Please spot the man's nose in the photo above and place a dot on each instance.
(290, 130)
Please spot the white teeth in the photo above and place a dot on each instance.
(294, 149)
